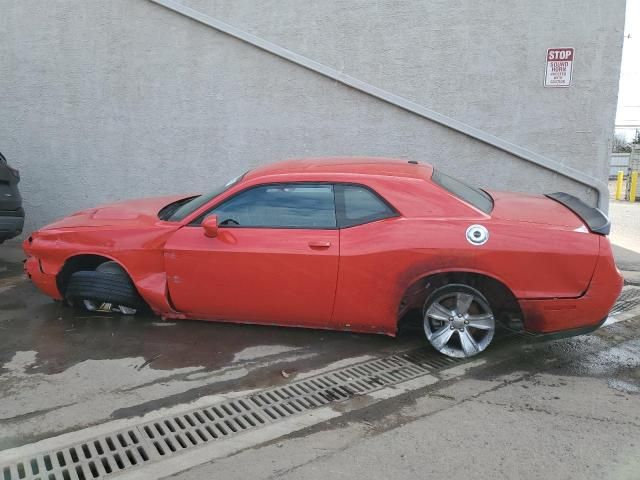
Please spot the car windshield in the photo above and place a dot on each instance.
(183, 209)
(472, 195)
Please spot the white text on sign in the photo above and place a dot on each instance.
(559, 67)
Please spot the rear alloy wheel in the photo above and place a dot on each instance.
(108, 288)
(458, 321)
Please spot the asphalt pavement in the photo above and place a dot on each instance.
(524, 409)
(568, 409)
(625, 238)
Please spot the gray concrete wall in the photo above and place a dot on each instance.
(107, 100)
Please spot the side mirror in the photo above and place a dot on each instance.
(210, 225)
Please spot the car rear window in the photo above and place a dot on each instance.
(472, 195)
(356, 205)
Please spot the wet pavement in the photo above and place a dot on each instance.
(563, 409)
(62, 370)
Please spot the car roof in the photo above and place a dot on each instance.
(369, 166)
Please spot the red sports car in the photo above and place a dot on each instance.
(345, 244)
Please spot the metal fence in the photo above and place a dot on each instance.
(617, 162)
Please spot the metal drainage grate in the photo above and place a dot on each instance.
(94, 459)
(628, 299)
(147, 442)
(203, 425)
(111, 454)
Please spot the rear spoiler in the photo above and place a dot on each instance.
(597, 221)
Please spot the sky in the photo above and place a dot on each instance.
(628, 114)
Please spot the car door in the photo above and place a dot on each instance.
(369, 256)
(273, 260)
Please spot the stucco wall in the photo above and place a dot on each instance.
(102, 101)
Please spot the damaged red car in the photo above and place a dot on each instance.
(344, 244)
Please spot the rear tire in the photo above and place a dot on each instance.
(108, 288)
(458, 321)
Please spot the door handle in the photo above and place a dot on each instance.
(319, 244)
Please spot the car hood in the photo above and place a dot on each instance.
(129, 213)
(533, 209)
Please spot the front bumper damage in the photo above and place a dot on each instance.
(44, 281)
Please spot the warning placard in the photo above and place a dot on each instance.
(559, 67)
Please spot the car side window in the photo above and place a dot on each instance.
(356, 205)
(280, 206)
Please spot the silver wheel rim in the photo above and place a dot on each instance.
(94, 306)
(459, 324)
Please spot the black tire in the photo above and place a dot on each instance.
(108, 283)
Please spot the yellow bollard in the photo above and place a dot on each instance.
(619, 182)
(634, 186)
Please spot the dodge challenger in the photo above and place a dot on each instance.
(344, 244)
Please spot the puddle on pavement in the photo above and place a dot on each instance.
(63, 337)
(611, 354)
(57, 363)
(126, 366)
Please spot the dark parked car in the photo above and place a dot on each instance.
(11, 212)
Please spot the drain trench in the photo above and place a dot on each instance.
(126, 449)
(628, 300)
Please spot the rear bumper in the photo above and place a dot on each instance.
(10, 226)
(45, 282)
(573, 332)
(581, 314)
